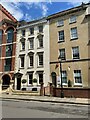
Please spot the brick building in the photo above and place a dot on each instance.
(8, 26)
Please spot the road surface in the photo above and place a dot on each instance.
(34, 109)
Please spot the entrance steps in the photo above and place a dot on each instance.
(31, 93)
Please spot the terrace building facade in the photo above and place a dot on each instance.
(32, 55)
(70, 43)
(8, 26)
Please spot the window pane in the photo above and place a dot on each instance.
(64, 76)
(77, 76)
(60, 23)
(8, 50)
(22, 61)
(41, 42)
(40, 78)
(23, 45)
(40, 28)
(10, 35)
(72, 19)
(75, 52)
(73, 33)
(23, 32)
(61, 35)
(31, 31)
(30, 78)
(40, 59)
(31, 60)
(62, 54)
(31, 43)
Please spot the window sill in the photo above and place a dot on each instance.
(78, 85)
(72, 22)
(61, 41)
(40, 47)
(31, 49)
(21, 68)
(30, 67)
(73, 39)
(76, 58)
(40, 66)
(22, 50)
(60, 25)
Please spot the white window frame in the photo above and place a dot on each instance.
(29, 60)
(62, 35)
(41, 53)
(20, 61)
(64, 75)
(22, 46)
(31, 39)
(38, 77)
(74, 34)
(72, 19)
(60, 23)
(63, 49)
(28, 78)
(74, 52)
(78, 75)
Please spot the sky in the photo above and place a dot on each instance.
(29, 10)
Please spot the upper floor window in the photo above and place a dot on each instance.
(31, 57)
(64, 77)
(31, 31)
(40, 41)
(40, 28)
(60, 23)
(21, 61)
(40, 59)
(22, 45)
(72, 19)
(75, 51)
(62, 54)
(23, 32)
(8, 50)
(77, 77)
(31, 43)
(0, 36)
(10, 35)
(74, 34)
(8, 63)
(61, 35)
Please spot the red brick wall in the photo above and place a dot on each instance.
(72, 92)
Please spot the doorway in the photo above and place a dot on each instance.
(18, 83)
(5, 81)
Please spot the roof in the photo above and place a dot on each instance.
(71, 10)
(7, 13)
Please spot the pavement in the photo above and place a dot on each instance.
(83, 101)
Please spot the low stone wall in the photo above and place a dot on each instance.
(72, 92)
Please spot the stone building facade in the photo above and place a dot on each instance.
(69, 32)
(32, 55)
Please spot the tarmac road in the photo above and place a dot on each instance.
(35, 109)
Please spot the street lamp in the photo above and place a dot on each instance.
(60, 61)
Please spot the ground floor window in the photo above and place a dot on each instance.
(64, 77)
(77, 77)
(40, 77)
(30, 78)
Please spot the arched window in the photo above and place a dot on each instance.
(10, 35)
(1, 36)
